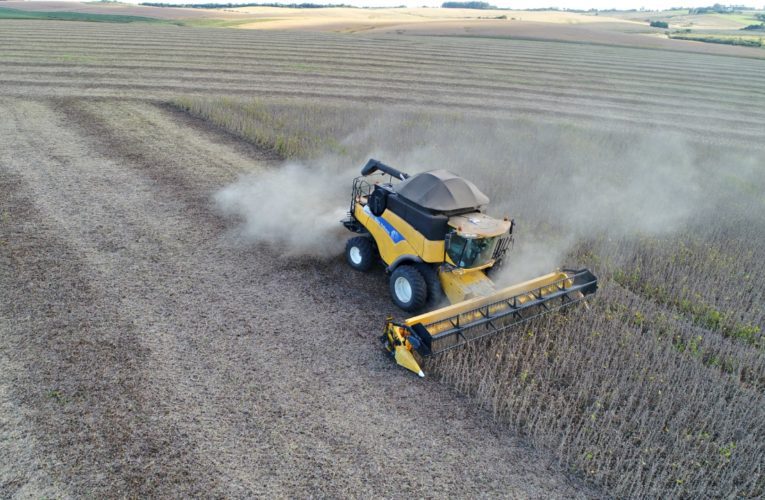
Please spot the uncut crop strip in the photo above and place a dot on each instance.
(457, 70)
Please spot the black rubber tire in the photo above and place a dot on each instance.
(435, 292)
(417, 286)
(360, 252)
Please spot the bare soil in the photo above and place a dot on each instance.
(146, 352)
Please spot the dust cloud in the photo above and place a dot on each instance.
(568, 183)
(294, 209)
(563, 183)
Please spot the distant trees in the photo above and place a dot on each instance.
(659, 24)
(467, 5)
(726, 40)
(717, 9)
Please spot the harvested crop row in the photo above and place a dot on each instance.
(645, 90)
(400, 50)
(551, 101)
(656, 102)
(448, 48)
(607, 91)
(469, 60)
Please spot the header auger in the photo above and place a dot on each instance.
(430, 231)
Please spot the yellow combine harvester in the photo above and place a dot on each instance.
(430, 231)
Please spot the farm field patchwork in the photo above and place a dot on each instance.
(151, 350)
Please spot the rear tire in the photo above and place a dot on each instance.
(408, 288)
(359, 252)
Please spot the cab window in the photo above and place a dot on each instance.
(470, 252)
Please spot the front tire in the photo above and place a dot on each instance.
(408, 288)
(435, 292)
(359, 252)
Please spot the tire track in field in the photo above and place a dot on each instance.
(270, 367)
(77, 361)
(22, 469)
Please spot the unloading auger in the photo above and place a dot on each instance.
(430, 231)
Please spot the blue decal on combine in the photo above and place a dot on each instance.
(394, 235)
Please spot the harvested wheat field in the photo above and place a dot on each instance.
(177, 318)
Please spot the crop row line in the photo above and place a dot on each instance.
(654, 104)
(690, 70)
(352, 64)
(733, 66)
(645, 86)
(442, 47)
(595, 86)
(421, 100)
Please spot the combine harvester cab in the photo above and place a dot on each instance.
(432, 234)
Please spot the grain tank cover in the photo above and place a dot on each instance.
(442, 191)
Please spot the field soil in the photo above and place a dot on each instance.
(147, 352)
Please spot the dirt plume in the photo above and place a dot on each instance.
(565, 183)
(293, 209)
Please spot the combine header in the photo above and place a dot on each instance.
(431, 232)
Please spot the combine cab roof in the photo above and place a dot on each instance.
(442, 191)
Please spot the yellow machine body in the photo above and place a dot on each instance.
(471, 319)
(468, 236)
(397, 239)
(397, 343)
(469, 310)
(459, 285)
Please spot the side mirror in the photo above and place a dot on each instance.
(378, 201)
